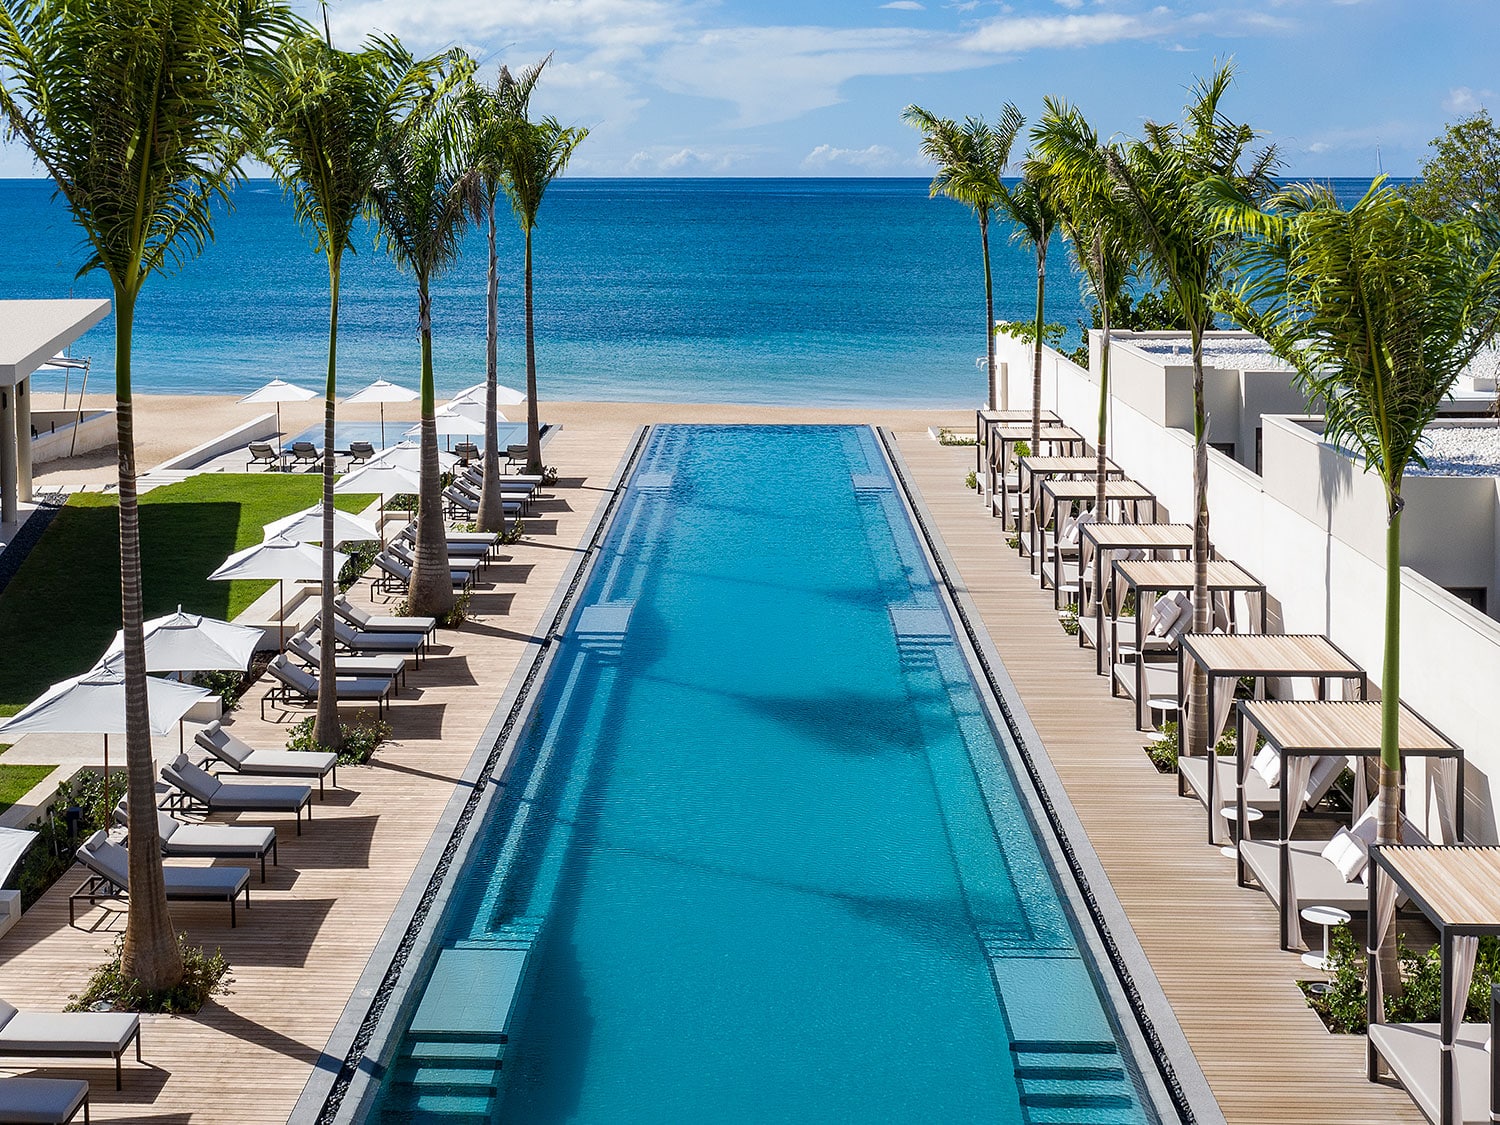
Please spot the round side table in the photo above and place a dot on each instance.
(1232, 815)
(1327, 917)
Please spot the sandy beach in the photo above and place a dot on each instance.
(168, 425)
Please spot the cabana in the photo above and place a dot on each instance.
(1300, 731)
(1032, 471)
(1054, 440)
(1096, 543)
(987, 420)
(1126, 500)
(1145, 578)
(1450, 1069)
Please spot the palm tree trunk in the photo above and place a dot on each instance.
(989, 308)
(1199, 736)
(1388, 830)
(326, 726)
(491, 516)
(533, 419)
(1036, 352)
(1101, 441)
(150, 953)
(431, 593)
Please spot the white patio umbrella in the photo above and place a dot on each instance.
(13, 845)
(452, 423)
(307, 526)
(94, 703)
(504, 396)
(189, 642)
(469, 409)
(281, 561)
(408, 455)
(383, 392)
(279, 391)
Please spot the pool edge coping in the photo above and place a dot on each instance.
(319, 1101)
(1185, 1072)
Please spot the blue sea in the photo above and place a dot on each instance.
(791, 291)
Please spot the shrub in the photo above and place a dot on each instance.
(947, 436)
(204, 974)
(1342, 1006)
(1021, 449)
(361, 558)
(51, 854)
(1069, 619)
(1163, 750)
(971, 482)
(549, 475)
(228, 686)
(361, 738)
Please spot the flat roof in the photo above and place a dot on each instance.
(1230, 351)
(33, 331)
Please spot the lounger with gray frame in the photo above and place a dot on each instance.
(69, 1035)
(110, 877)
(362, 618)
(191, 840)
(197, 788)
(305, 453)
(263, 453)
(248, 760)
(347, 664)
(514, 503)
(460, 545)
(395, 576)
(43, 1101)
(460, 566)
(296, 685)
(360, 452)
(364, 641)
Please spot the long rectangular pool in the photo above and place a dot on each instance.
(759, 856)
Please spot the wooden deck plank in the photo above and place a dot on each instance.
(1213, 945)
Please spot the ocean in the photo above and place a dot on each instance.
(774, 291)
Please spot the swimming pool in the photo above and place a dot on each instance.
(759, 856)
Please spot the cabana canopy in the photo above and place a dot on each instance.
(1445, 1067)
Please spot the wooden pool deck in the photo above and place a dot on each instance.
(1213, 945)
(299, 951)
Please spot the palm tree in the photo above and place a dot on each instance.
(970, 160)
(1103, 236)
(536, 154)
(1378, 309)
(492, 114)
(1029, 205)
(421, 214)
(1159, 179)
(327, 113)
(136, 108)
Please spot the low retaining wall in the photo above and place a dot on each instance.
(254, 430)
(55, 429)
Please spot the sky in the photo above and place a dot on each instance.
(816, 87)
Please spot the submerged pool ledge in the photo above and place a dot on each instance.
(340, 1082)
(1156, 1030)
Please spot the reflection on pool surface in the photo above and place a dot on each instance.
(760, 857)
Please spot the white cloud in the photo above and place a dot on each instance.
(663, 159)
(1071, 5)
(1013, 35)
(1464, 100)
(905, 6)
(873, 158)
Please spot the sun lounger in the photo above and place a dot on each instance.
(305, 453)
(516, 455)
(369, 622)
(42, 1101)
(465, 545)
(185, 840)
(395, 576)
(197, 788)
(465, 567)
(462, 501)
(263, 453)
(511, 484)
(364, 641)
(360, 452)
(1258, 795)
(69, 1035)
(111, 878)
(247, 760)
(514, 500)
(466, 451)
(1316, 879)
(349, 664)
(294, 684)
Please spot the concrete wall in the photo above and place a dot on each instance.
(54, 429)
(256, 429)
(1313, 531)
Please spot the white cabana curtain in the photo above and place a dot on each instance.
(1364, 781)
(1245, 746)
(1295, 770)
(1380, 925)
(1459, 974)
(1442, 800)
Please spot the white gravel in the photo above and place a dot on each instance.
(1460, 451)
(1227, 355)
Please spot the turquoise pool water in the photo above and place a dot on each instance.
(395, 433)
(760, 858)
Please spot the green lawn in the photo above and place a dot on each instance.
(17, 781)
(62, 609)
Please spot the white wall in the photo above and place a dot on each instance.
(1313, 531)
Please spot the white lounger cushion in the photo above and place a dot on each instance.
(1348, 853)
(1164, 615)
(1267, 763)
(87, 1033)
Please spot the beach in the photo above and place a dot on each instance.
(169, 425)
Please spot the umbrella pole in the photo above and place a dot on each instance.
(281, 616)
(104, 800)
(278, 429)
(382, 427)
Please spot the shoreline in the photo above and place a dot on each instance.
(169, 425)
